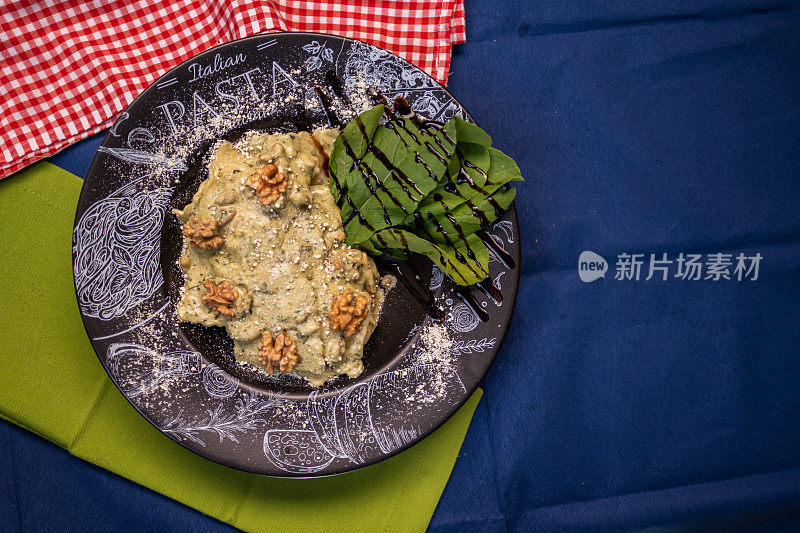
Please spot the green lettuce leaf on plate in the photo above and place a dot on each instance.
(406, 185)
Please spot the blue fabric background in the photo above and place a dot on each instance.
(644, 127)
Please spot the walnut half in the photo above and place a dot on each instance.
(280, 351)
(348, 312)
(220, 297)
(203, 233)
(269, 184)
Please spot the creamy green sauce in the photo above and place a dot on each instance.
(288, 263)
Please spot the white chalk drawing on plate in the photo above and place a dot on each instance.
(166, 83)
(266, 44)
(496, 283)
(464, 319)
(319, 53)
(507, 228)
(134, 326)
(218, 383)
(246, 417)
(473, 345)
(413, 332)
(122, 117)
(139, 157)
(116, 244)
(437, 277)
(137, 370)
(367, 64)
(440, 109)
(354, 425)
(427, 104)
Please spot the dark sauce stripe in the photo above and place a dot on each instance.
(491, 241)
(323, 157)
(361, 218)
(402, 123)
(364, 169)
(439, 142)
(469, 164)
(391, 125)
(362, 128)
(438, 224)
(491, 290)
(478, 213)
(468, 297)
(381, 240)
(402, 107)
(327, 107)
(435, 152)
(431, 173)
(396, 173)
(497, 209)
(338, 88)
(420, 293)
(464, 177)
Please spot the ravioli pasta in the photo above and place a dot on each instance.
(264, 258)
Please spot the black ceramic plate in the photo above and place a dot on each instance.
(182, 377)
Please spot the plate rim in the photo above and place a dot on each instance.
(451, 410)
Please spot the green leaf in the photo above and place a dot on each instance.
(413, 187)
(474, 159)
(481, 209)
(403, 165)
(442, 198)
(400, 255)
(369, 248)
(470, 133)
(465, 262)
(469, 217)
(502, 168)
(441, 221)
(351, 145)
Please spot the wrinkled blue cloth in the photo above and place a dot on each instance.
(641, 128)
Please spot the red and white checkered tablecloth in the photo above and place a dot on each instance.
(69, 66)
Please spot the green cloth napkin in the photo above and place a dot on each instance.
(54, 385)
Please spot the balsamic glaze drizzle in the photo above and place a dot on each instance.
(491, 241)
(397, 118)
(468, 297)
(338, 88)
(432, 150)
(421, 294)
(391, 126)
(324, 159)
(327, 108)
(491, 290)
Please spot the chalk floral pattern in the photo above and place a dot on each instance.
(473, 345)
(218, 383)
(319, 54)
(378, 68)
(437, 277)
(507, 228)
(464, 319)
(249, 413)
